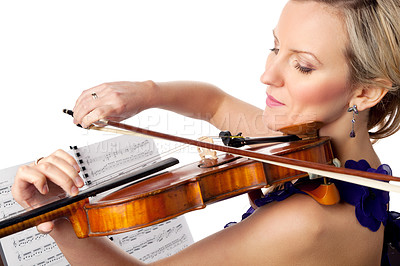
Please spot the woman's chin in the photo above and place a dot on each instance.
(273, 125)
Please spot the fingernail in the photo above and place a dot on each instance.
(45, 189)
(76, 168)
(78, 181)
(74, 191)
(45, 228)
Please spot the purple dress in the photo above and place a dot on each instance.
(370, 204)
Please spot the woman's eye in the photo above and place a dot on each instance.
(274, 50)
(304, 70)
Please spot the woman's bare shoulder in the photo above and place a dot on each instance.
(303, 226)
(276, 233)
(298, 219)
(297, 229)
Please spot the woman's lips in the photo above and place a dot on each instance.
(272, 102)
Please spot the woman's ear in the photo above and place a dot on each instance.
(366, 97)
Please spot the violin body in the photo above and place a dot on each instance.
(194, 186)
(175, 192)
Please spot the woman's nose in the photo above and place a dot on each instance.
(273, 72)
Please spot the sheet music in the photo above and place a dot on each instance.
(99, 162)
(156, 242)
(112, 158)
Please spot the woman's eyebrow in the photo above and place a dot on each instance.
(306, 52)
(298, 51)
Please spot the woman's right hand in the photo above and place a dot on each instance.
(113, 100)
(118, 101)
(52, 177)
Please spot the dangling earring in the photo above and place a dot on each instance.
(353, 121)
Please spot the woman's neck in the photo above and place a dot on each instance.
(347, 148)
(356, 149)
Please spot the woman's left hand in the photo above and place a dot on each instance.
(48, 180)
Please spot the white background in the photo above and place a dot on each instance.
(50, 51)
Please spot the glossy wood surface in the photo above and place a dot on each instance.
(194, 186)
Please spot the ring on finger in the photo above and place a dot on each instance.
(38, 160)
(94, 95)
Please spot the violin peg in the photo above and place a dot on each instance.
(304, 131)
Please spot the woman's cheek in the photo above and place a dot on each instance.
(320, 94)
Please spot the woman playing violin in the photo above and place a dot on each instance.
(333, 61)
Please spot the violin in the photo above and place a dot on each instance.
(190, 187)
(193, 186)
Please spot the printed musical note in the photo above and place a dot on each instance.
(5, 190)
(158, 241)
(115, 157)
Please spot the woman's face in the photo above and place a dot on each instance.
(306, 71)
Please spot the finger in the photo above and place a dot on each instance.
(85, 103)
(45, 228)
(67, 157)
(58, 176)
(66, 163)
(88, 93)
(26, 177)
(85, 108)
(95, 115)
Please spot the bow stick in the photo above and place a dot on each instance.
(348, 175)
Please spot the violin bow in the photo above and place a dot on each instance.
(348, 175)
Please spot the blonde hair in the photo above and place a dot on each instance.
(373, 54)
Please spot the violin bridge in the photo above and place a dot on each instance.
(205, 153)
